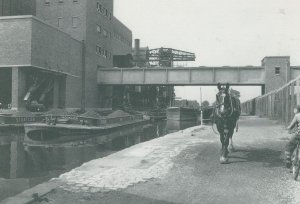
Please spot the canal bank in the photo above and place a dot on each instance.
(255, 173)
(135, 164)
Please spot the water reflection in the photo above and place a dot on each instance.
(23, 166)
(176, 125)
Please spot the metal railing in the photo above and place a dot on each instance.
(276, 105)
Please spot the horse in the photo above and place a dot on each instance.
(225, 116)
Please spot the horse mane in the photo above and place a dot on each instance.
(236, 106)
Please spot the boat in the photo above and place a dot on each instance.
(157, 114)
(89, 125)
(12, 123)
(182, 113)
(9, 117)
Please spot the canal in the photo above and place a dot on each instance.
(23, 166)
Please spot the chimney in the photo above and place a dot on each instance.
(137, 49)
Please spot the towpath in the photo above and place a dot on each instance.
(184, 167)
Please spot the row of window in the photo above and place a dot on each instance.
(102, 52)
(117, 36)
(47, 2)
(104, 11)
(101, 30)
(121, 38)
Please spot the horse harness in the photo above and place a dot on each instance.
(216, 111)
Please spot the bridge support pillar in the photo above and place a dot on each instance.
(18, 88)
(263, 89)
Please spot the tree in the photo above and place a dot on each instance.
(205, 104)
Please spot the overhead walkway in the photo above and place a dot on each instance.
(248, 75)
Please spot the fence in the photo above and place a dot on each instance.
(277, 105)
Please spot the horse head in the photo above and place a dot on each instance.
(223, 101)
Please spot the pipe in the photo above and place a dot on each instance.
(83, 104)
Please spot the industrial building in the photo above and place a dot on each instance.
(51, 51)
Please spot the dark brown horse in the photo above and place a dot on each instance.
(226, 115)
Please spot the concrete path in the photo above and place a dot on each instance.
(184, 168)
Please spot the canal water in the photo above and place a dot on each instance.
(23, 166)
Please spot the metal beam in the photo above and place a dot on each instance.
(181, 76)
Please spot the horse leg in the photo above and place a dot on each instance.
(231, 147)
(226, 143)
(223, 157)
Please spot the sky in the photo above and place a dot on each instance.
(220, 33)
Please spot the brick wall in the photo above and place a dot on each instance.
(86, 29)
(27, 41)
(122, 39)
(93, 59)
(272, 80)
(56, 50)
(15, 43)
(66, 11)
(53, 49)
(17, 7)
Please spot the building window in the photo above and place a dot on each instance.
(59, 22)
(104, 32)
(47, 2)
(106, 12)
(60, 1)
(99, 7)
(75, 1)
(98, 50)
(110, 16)
(99, 29)
(75, 22)
(277, 70)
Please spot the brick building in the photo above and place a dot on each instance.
(278, 71)
(67, 41)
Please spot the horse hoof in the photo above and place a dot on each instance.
(223, 160)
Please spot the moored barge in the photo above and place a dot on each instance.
(88, 126)
(182, 113)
